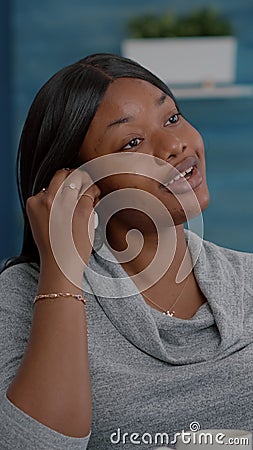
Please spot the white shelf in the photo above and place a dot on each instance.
(231, 91)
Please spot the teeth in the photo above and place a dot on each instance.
(189, 170)
(180, 175)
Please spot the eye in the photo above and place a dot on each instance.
(133, 143)
(173, 119)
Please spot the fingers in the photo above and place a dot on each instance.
(72, 186)
(67, 181)
(57, 180)
(80, 186)
(63, 212)
(54, 184)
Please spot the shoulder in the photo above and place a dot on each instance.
(18, 281)
(237, 261)
(220, 261)
(235, 256)
(26, 272)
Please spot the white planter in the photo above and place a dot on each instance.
(186, 60)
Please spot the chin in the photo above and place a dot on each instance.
(205, 202)
(189, 208)
(203, 197)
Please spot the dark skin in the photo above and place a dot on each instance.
(52, 383)
(135, 116)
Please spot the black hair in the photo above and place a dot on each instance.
(57, 123)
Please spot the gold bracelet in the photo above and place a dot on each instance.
(78, 297)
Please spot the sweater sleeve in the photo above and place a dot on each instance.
(18, 286)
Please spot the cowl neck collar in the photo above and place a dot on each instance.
(211, 333)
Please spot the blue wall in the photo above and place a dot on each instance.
(7, 186)
(48, 35)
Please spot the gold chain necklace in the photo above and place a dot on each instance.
(168, 312)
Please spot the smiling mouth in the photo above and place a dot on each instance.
(186, 175)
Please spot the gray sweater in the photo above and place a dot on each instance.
(150, 373)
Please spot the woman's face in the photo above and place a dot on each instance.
(137, 117)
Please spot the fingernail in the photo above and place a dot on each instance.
(95, 219)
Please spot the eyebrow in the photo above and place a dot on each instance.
(120, 121)
(128, 119)
(161, 99)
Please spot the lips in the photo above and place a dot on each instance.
(184, 177)
(186, 173)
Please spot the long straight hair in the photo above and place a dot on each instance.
(57, 123)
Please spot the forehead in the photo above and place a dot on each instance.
(127, 101)
(129, 96)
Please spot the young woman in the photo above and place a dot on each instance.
(153, 350)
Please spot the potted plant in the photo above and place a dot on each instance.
(196, 48)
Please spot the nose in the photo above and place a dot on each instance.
(167, 146)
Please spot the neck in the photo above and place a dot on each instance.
(161, 270)
(147, 259)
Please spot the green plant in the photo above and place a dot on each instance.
(200, 22)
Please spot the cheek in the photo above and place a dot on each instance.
(194, 138)
(200, 145)
(117, 182)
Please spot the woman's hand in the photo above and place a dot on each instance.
(50, 216)
(56, 357)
